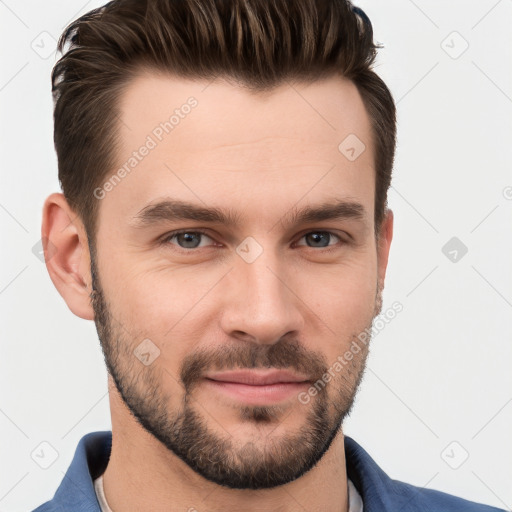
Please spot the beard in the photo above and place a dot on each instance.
(186, 432)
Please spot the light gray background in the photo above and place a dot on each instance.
(439, 373)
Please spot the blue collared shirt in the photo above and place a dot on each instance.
(378, 491)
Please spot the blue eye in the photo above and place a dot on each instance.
(319, 238)
(186, 239)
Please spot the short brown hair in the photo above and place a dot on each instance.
(258, 43)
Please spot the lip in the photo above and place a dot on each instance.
(256, 387)
(258, 377)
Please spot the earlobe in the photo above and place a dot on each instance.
(66, 253)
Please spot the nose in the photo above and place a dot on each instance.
(259, 303)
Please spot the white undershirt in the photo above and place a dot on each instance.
(355, 503)
(100, 494)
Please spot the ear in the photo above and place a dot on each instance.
(384, 244)
(66, 253)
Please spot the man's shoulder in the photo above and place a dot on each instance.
(418, 498)
(76, 492)
(381, 493)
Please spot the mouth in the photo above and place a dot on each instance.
(257, 386)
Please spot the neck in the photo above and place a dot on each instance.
(142, 474)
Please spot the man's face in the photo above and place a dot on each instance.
(269, 290)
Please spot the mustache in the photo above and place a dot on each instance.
(289, 355)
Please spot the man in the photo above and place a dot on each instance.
(225, 168)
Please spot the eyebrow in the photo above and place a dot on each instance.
(168, 209)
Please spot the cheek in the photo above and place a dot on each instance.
(171, 308)
(139, 309)
(343, 297)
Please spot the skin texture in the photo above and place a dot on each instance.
(178, 444)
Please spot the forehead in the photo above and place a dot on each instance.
(319, 112)
(214, 141)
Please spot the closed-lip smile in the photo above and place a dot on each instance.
(257, 387)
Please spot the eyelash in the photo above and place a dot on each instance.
(169, 236)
